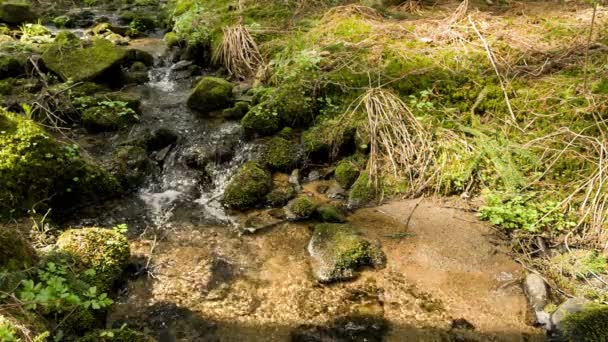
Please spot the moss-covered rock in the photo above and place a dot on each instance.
(36, 171)
(301, 208)
(588, 325)
(15, 12)
(281, 154)
(237, 111)
(110, 114)
(12, 66)
(338, 250)
(211, 93)
(171, 39)
(104, 251)
(346, 173)
(321, 143)
(248, 186)
(15, 249)
(115, 335)
(279, 196)
(78, 63)
(362, 192)
(130, 165)
(330, 213)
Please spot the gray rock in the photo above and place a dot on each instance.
(181, 65)
(536, 290)
(313, 175)
(335, 191)
(570, 306)
(294, 179)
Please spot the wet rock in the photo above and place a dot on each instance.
(83, 63)
(294, 179)
(130, 166)
(335, 191)
(570, 306)
(359, 328)
(259, 221)
(160, 138)
(181, 65)
(536, 290)
(331, 214)
(461, 323)
(248, 187)
(313, 175)
(161, 154)
(136, 77)
(281, 154)
(82, 19)
(16, 13)
(338, 250)
(300, 208)
(12, 66)
(210, 94)
(198, 157)
(362, 192)
(141, 56)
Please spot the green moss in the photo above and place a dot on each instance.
(115, 335)
(281, 155)
(109, 115)
(78, 63)
(16, 12)
(346, 173)
(580, 263)
(588, 325)
(248, 186)
(259, 120)
(66, 38)
(15, 249)
(303, 207)
(104, 251)
(237, 112)
(362, 191)
(280, 196)
(211, 93)
(36, 171)
(331, 214)
(171, 39)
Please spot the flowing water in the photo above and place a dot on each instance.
(197, 278)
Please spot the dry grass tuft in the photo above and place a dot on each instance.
(399, 144)
(238, 52)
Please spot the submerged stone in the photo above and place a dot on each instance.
(210, 94)
(248, 187)
(104, 251)
(338, 250)
(79, 63)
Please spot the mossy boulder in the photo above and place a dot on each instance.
(16, 12)
(279, 196)
(37, 171)
(115, 335)
(15, 249)
(110, 113)
(210, 94)
(346, 173)
(300, 208)
(248, 187)
(362, 192)
(104, 251)
(588, 325)
(237, 111)
(338, 250)
(281, 155)
(79, 63)
(130, 165)
(330, 213)
(12, 66)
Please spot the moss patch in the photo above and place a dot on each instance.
(104, 251)
(346, 173)
(302, 207)
(362, 191)
(281, 155)
(588, 325)
(211, 93)
(248, 186)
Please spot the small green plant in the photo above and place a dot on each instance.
(121, 108)
(422, 101)
(8, 333)
(520, 212)
(54, 293)
(121, 228)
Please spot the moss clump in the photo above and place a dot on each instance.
(321, 143)
(83, 63)
(115, 335)
(15, 250)
(281, 155)
(237, 112)
(130, 165)
(338, 250)
(280, 196)
(211, 93)
(36, 171)
(171, 39)
(16, 12)
(109, 116)
(303, 207)
(346, 173)
(588, 325)
(331, 214)
(104, 251)
(248, 187)
(11, 66)
(362, 191)
(63, 21)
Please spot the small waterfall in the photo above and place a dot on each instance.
(161, 76)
